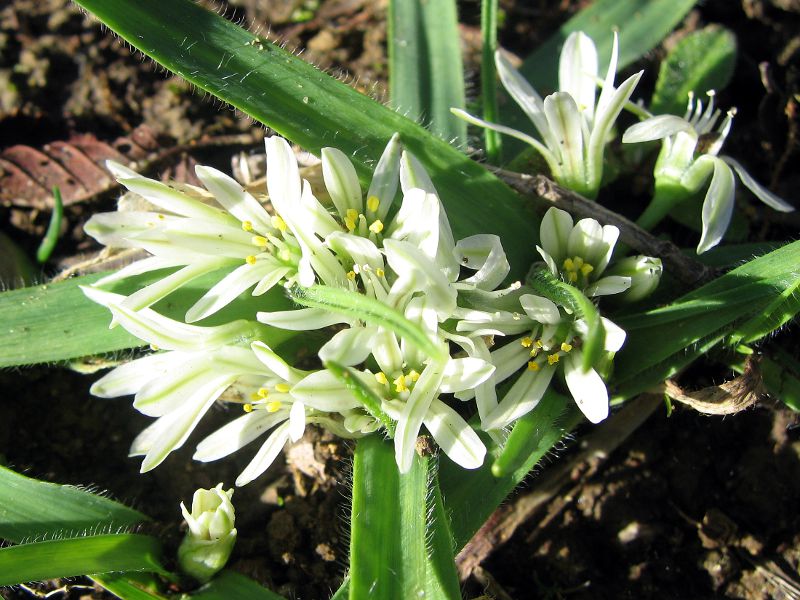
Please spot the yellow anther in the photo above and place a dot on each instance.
(552, 358)
(247, 226)
(154, 348)
(586, 269)
(262, 392)
(352, 214)
(274, 406)
(532, 365)
(282, 388)
(400, 384)
(572, 276)
(260, 241)
(578, 262)
(380, 377)
(414, 375)
(255, 397)
(248, 407)
(278, 223)
(373, 202)
(351, 275)
(380, 272)
(349, 223)
(539, 344)
(565, 347)
(534, 352)
(160, 216)
(526, 342)
(250, 260)
(569, 265)
(376, 226)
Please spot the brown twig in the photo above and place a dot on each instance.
(548, 193)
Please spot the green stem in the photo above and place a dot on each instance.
(489, 77)
(665, 197)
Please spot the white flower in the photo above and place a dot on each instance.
(574, 127)
(689, 157)
(644, 273)
(209, 541)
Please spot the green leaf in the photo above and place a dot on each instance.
(79, 556)
(313, 109)
(369, 310)
(131, 586)
(229, 585)
(53, 228)
(492, 139)
(33, 509)
(369, 399)
(425, 71)
(388, 524)
(662, 341)
(701, 61)
(472, 496)
(781, 373)
(55, 322)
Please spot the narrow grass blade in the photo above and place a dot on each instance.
(312, 109)
(56, 322)
(31, 509)
(79, 556)
(51, 235)
(228, 585)
(425, 71)
(131, 586)
(441, 574)
(701, 61)
(492, 139)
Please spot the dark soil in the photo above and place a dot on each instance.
(688, 507)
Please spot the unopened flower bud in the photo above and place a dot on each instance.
(211, 535)
(645, 273)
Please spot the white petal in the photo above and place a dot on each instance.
(385, 179)
(718, 205)
(361, 250)
(417, 221)
(283, 177)
(577, 70)
(655, 128)
(605, 286)
(302, 319)
(465, 373)
(152, 263)
(192, 378)
(587, 388)
(236, 200)
(615, 335)
(177, 202)
(484, 253)
(131, 377)
(413, 175)
(265, 456)
(416, 271)
(554, 233)
(117, 229)
(199, 237)
(237, 434)
(349, 346)
(522, 398)
(275, 363)
(586, 240)
(760, 191)
(458, 440)
(297, 420)
(415, 411)
(341, 181)
(564, 121)
(323, 391)
(549, 261)
(540, 309)
(234, 283)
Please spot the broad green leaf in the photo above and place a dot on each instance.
(662, 341)
(229, 585)
(56, 322)
(31, 509)
(131, 586)
(472, 496)
(701, 61)
(79, 556)
(388, 524)
(425, 71)
(313, 109)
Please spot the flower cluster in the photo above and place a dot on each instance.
(409, 315)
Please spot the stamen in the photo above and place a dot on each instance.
(349, 223)
(526, 342)
(254, 397)
(534, 352)
(154, 348)
(260, 241)
(532, 365)
(552, 358)
(414, 375)
(274, 406)
(380, 377)
(565, 347)
(250, 260)
(283, 388)
(568, 264)
(262, 392)
(400, 384)
(247, 226)
(376, 226)
(586, 269)
(248, 407)
(373, 202)
(539, 344)
(351, 275)
(380, 272)
(278, 223)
